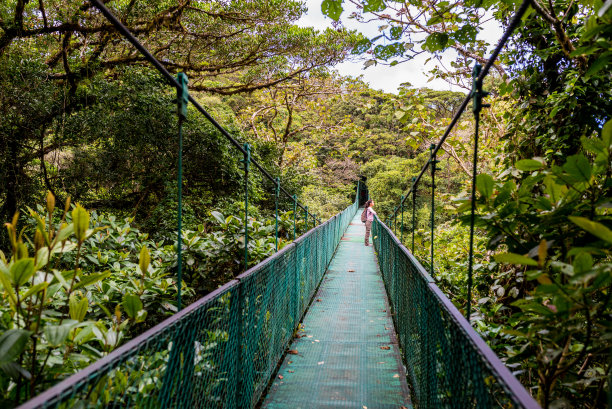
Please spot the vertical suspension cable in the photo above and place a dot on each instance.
(306, 218)
(477, 94)
(182, 100)
(402, 228)
(414, 187)
(247, 162)
(276, 195)
(294, 214)
(433, 164)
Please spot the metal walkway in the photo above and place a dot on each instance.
(346, 355)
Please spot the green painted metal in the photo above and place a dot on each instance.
(182, 100)
(276, 196)
(414, 190)
(345, 354)
(247, 163)
(477, 106)
(447, 364)
(294, 214)
(402, 228)
(433, 163)
(219, 352)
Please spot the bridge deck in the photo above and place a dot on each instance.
(346, 355)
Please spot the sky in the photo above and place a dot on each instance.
(383, 77)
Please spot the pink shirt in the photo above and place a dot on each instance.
(370, 214)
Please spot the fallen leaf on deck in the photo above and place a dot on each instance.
(291, 371)
(385, 348)
(318, 300)
(351, 271)
(295, 352)
(320, 363)
(396, 376)
(280, 376)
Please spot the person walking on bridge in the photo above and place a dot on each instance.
(369, 219)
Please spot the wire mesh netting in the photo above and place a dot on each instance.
(345, 354)
(447, 364)
(219, 352)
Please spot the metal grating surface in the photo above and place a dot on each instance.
(347, 354)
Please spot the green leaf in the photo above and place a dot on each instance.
(145, 259)
(578, 168)
(532, 306)
(12, 343)
(583, 262)
(58, 275)
(512, 258)
(91, 279)
(78, 308)
(552, 189)
(80, 220)
(362, 46)
(599, 64)
(332, 9)
(21, 271)
(6, 283)
(42, 257)
(218, 216)
(528, 165)
(132, 305)
(396, 32)
(373, 6)
(596, 229)
(484, 184)
(35, 289)
(606, 134)
(56, 334)
(64, 233)
(15, 371)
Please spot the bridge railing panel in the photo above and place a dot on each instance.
(447, 364)
(219, 352)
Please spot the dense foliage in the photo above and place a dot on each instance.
(542, 268)
(85, 119)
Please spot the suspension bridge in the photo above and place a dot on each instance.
(324, 323)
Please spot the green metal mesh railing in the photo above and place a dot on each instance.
(219, 352)
(447, 364)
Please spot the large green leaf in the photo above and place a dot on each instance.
(596, 229)
(35, 289)
(606, 134)
(578, 168)
(78, 307)
(132, 305)
(218, 216)
(528, 165)
(56, 334)
(484, 184)
(144, 260)
(80, 220)
(373, 6)
(91, 279)
(512, 258)
(332, 9)
(21, 271)
(12, 343)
